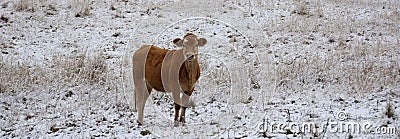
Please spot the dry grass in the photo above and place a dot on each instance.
(357, 68)
(81, 68)
(18, 76)
(24, 5)
(301, 7)
(317, 48)
(389, 110)
(82, 7)
(63, 71)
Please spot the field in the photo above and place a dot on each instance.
(270, 69)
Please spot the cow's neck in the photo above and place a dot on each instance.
(191, 70)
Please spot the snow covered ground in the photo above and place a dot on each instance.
(270, 69)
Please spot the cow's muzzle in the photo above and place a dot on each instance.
(189, 57)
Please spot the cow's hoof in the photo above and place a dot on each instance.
(183, 123)
(139, 123)
(176, 123)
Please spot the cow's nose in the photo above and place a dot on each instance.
(189, 56)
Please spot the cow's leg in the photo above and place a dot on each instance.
(182, 118)
(185, 102)
(141, 96)
(177, 108)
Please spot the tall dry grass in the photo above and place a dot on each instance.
(356, 68)
(61, 72)
(344, 45)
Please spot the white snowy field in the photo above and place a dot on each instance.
(270, 69)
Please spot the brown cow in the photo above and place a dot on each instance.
(165, 70)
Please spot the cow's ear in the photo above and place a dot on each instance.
(202, 42)
(178, 42)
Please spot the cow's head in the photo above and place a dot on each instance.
(190, 44)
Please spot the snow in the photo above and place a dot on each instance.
(66, 68)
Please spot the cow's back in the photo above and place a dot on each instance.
(153, 66)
